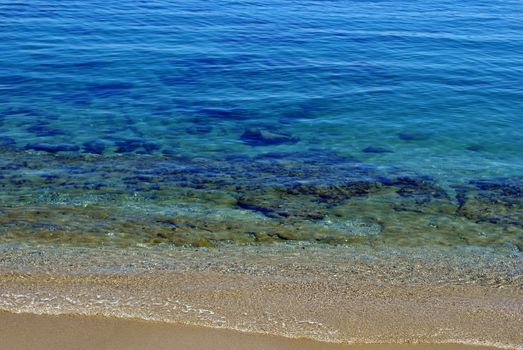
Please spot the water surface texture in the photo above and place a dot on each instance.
(395, 123)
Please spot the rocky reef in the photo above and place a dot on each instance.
(497, 201)
(262, 137)
(315, 195)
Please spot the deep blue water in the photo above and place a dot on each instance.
(432, 89)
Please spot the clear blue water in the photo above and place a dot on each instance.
(226, 110)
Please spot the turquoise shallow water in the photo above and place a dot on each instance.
(197, 122)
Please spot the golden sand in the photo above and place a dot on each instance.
(43, 332)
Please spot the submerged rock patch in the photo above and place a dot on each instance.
(52, 147)
(199, 129)
(496, 200)
(413, 136)
(136, 145)
(7, 142)
(377, 149)
(94, 147)
(315, 195)
(262, 137)
(42, 130)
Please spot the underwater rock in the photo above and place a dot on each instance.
(421, 187)
(503, 187)
(327, 157)
(199, 129)
(7, 142)
(413, 136)
(377, 149)
(334, 194)
(150, 147)
(128, 146)
(313, 195)
(286, 209)
(301, 201)
(136, 145)
(94, 147)
(476, 148)
(169, 152)
(267, 208)
(261, 137)
(52, 148)
(274, 156)
(497, 201)
(42, 130)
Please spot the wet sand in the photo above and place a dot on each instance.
(44, 332)
(333, 294)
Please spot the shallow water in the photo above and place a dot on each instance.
(387, 123)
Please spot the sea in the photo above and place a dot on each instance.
(200, 123)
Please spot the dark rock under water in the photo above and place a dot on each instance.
(377, 149)
(138, 146)
(42, 130)
(94, 147)
(316, 195)
(52, 147)
(199, 129)
(493, 200)
(7, 142)
(413, 136)
(262, 137)
(477, 148)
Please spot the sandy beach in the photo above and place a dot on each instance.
(333, 294)
(30, 331)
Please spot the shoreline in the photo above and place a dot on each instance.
(332, 294)
(46, 332)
